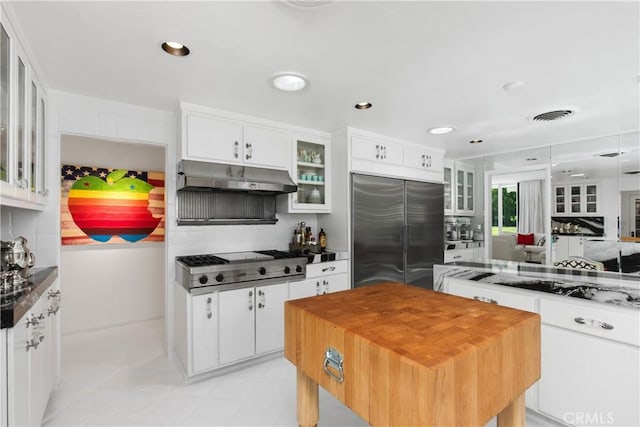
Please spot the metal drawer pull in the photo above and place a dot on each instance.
(485, 299)
(333, 364)
(328, 269)
(593, 322)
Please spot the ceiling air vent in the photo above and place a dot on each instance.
(552, 115)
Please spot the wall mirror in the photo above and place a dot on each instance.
(590, 197)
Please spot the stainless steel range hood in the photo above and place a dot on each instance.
(205, 176)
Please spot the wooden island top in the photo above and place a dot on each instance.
(410, 356)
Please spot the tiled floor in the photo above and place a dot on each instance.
(120, 376)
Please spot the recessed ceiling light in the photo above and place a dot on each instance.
(363, 105)
(513, 85)
(441, 130)
(475, 141)
(289, 82)
(576, 174)
(175, 49)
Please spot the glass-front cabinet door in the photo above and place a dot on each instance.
(5, 104)
(21, 128)
(460, 205)
(312, 174)
(560, 199)
(469, 191)
(591, 198)
(448, 188)
(576, 198)
(22, 125)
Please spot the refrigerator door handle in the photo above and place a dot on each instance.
(405, 238)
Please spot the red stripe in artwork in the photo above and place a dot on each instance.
(156, 182)
(102, 224)
(116, 231)
(109, 210)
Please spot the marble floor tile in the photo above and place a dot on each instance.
(121, 377)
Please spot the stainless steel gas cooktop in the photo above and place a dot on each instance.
(229, 270)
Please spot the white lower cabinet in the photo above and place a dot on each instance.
(270, 317)
(251, 321)
(590, 364)
(566, 247)
(322, 278)
(18, 409)
(204, 321)
(32, 361)
(319, 286)
(590, 361)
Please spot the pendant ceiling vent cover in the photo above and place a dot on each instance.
(552, 115)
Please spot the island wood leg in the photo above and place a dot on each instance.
(514, 414)
(307, 398)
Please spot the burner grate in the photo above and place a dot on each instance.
(279, 254)
(201, 260)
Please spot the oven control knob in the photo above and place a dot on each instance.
(298, 269)
(203, 279)
(219, 277)
(287, 270)
(262, 271)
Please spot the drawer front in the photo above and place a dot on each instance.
(326, 268)
(469, 289)
(601, 322)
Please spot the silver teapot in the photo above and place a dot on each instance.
(15, 255)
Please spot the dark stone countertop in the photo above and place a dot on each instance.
(14, 307)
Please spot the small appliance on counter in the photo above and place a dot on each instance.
(457, 228)
(16, 260)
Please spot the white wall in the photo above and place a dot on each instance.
(104, 286)
(127, 279)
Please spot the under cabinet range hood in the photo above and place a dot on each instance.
(220, 194)
(205, 176)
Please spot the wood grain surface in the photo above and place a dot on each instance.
(413, 356)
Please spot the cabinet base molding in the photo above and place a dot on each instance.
(216, 372)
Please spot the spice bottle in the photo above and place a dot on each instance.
(322, 236)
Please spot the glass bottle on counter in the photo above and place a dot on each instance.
(322, 236)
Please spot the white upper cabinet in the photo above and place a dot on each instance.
(266, 146)
(384, 156)
(376, 150)
(22, 126)
(218, 136)
(212, 138)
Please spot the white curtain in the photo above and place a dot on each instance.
(530, 207)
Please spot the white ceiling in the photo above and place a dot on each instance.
(421, 64)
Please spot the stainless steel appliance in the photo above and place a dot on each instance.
(16, 260)
(198, 273)
(398, 230)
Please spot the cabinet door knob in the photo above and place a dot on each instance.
(236, 145)
(485, 299)
(377, 151)
(594, 323)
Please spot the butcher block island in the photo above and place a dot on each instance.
(405, 356)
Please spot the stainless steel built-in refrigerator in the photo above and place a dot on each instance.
(397, 228)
